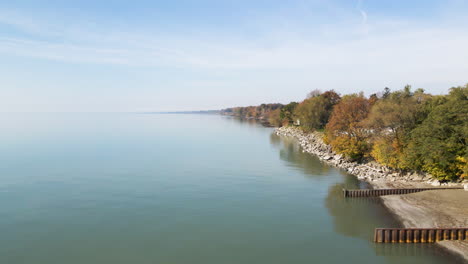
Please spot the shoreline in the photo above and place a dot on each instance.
(424, 209)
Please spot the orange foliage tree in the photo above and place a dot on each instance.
(345, 131)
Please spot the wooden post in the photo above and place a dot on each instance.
(446, 234)
(417, 236)
(454, 234)
(409, 236)
(423, 236)
(402, 236)
(380, 236)
(439, 235)
(431, 236)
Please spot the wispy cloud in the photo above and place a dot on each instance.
(365, 25)
(350, 52)
(391, 44)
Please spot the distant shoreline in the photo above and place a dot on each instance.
(212, 112)
(425, 209)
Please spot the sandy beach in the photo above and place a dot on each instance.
(438, 208)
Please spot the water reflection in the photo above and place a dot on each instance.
(356, 217)
(411, 250)
(292, 153)
(244, 121)
(352, 217)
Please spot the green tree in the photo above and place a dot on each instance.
(439, 144)
(390, 120)
(314, 112)
(287, 112)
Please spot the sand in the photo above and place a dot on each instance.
(438, 208)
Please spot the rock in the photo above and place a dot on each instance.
(465, 186)
(418, 178)
(435, 183)
(337, 157)
(369, 171)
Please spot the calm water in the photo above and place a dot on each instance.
(142, 188)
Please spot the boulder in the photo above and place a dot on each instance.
(435, 183)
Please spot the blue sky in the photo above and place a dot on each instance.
(193, 55)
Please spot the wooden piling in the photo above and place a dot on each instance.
(419, 235)
(379, 236)
(381, 192)
(395, 236)
(454, 234)
(409, 236)
(447, 234)
(431, 236)
(423, 236)
(439, 235)
(402, 236)
(461, 234)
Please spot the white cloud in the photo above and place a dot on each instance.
(404, 48)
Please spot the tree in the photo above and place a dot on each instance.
(314, 112)
(331, 98)
(439, 144)
(314, 93)
(345, 131)
(373, 98)
(391, 119)
(274, 118)
(287, 112)
(308, 113)
(386, 92)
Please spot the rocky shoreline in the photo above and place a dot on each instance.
(425, 209)
(367, 171)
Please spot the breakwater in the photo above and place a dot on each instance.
(418, 235)
(367, 171)
(382, 192)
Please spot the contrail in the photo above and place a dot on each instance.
(363, 13)
(364, 17)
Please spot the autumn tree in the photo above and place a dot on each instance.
(391, 119)
(287, 113)
(345, 131)
(274, 118)
(261, 112)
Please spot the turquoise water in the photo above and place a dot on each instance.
(147, 188)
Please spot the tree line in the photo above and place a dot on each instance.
(403, 129)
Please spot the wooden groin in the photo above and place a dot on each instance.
(381, 192)
(418, 235)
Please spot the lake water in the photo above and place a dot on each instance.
(148, 188)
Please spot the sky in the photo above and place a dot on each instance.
(148, 55)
